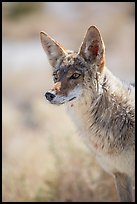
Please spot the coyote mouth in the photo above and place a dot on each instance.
(60, 103)
(72, 98)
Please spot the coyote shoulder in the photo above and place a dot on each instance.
(101, 105)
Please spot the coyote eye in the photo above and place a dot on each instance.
(75, 76)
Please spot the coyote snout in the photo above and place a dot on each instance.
(55, 98)
(102, 106)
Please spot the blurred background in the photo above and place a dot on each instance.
(44, 159)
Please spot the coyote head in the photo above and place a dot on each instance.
(74, 71)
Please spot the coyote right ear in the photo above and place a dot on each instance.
(93, 47)
(52, 48)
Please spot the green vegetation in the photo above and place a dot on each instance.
(15, 10)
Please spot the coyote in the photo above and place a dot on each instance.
(101, 105)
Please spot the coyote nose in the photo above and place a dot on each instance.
(49, 96)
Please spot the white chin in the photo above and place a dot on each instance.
(57, 102)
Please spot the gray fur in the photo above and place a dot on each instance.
(109, 122)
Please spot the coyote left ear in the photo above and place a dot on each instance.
(52, 48)
(92, 48)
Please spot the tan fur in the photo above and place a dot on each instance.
(56, 87)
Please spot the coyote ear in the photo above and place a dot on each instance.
(52, 48)
(93, 47)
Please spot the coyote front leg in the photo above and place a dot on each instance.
(124, 187)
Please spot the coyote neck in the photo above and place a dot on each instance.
(106, 117)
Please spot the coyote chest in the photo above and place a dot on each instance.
(107, 154)
(81, 116)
